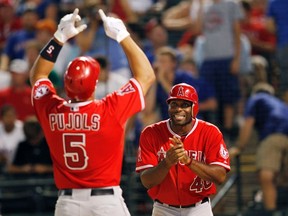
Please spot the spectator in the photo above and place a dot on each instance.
(207, 100)
(108, 82)
(277, 23)
(182, 158)
(32, 155)
(15, 45)
(93, 41)
(169, 74)
(11, 133)
(262, 41)
(9, 21)
(18, 94)
(177, 21)
(124, 10)
(156, 37)
(269, 117)
(219, 22)
(5, 79)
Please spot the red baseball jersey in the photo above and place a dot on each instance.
(182, 186)
(86, 139)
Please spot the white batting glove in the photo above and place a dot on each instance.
(114, 27)
(67, 29)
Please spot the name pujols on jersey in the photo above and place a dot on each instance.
(74, 121)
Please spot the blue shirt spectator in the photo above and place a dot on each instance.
(270, 114)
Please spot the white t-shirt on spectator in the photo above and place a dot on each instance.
(9, 141)
(114, 82)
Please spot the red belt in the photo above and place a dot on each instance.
(206, 199)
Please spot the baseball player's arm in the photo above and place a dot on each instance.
(41, 69)
(139, 63)
(67, 29)
(154, 176)
(213, 173)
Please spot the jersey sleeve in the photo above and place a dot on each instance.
(217, 152)
(146, 157)
(43, 96)
(126, 101)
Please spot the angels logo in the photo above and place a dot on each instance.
(161, 154)
(126, 89)
(41, 91)
(224, 152)
(180, 91)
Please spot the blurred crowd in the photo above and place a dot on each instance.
(221, 47)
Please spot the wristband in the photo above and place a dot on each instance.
(51, 51)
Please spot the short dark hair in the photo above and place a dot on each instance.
(6, 108)
(102, 60)
(31, 127)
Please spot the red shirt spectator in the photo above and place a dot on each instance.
(9, 22)
(19, 92)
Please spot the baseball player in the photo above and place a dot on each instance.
(181, 158)
(86, 136)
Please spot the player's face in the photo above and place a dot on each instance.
(180, 112)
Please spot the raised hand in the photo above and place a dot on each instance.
(67, 27)
(114, 27)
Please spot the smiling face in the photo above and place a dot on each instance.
(180, 112)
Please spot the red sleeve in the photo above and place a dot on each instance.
(126, 101)
(217, 152)
(44, 97)
(146, 157)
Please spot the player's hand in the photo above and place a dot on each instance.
(178, 145)
(176, 153)
(114, 27)
(67, 27)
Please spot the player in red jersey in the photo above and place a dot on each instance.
(86, 136)
(181, 159)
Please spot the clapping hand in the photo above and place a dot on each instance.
(176, 153)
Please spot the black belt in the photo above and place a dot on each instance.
(94, 192)
(206, 199)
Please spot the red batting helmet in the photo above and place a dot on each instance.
(81, 77)
(186, 92)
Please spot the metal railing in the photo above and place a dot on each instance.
(234, 179)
